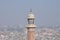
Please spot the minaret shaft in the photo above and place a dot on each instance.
(31, 35)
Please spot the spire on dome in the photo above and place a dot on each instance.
(30, 10)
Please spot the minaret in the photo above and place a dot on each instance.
(31, 26)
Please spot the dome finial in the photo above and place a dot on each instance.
(30, 10)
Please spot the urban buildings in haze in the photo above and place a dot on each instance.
(31, 32)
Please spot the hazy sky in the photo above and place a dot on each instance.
(14, 12)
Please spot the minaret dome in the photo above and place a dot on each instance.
(31, 15)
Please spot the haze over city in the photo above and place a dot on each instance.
(29, 19)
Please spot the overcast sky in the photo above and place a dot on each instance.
(14, 12)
